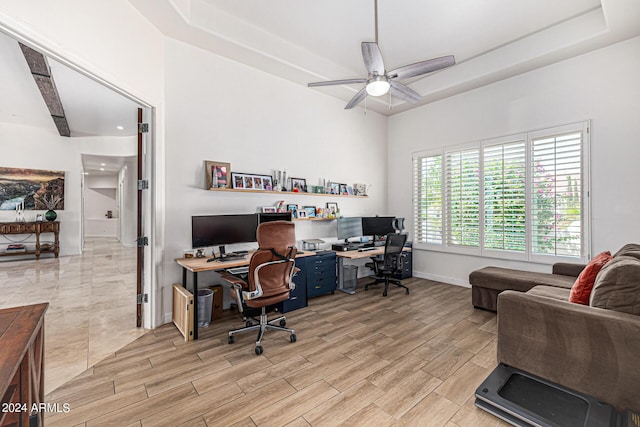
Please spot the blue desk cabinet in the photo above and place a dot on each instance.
(407, 266)
(321, 274)
(298, 297)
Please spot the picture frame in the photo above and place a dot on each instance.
(343, 190)
(269, 209)
(332, 207)
(350, 190)
(300, 184)
(294, 210)
(334, 188)
(302, 214)
(39, 218)
(217, 174)
(250, 181)
(310, 210)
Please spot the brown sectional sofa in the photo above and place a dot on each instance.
(488, 282)
(593, 349)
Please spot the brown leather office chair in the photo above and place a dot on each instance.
(269, 281)
(389, 264)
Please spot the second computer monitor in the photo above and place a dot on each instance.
(378, 225)
(349, 227)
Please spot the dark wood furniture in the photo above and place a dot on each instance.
(36, 228)
(22, 365)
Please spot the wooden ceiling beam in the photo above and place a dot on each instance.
(41, 73)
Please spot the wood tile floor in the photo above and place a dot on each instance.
(360, 360)
(91, 304)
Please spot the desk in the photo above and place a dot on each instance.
(197, 265)
(379, 250)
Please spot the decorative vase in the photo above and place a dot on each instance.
(50, 215)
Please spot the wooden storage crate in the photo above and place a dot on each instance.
(183, 311)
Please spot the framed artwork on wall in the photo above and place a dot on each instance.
(32, 189)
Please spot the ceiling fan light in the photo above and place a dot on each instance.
(378, 86)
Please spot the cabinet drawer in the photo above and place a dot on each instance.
(321, 286)
(323, 269)
(47, 227)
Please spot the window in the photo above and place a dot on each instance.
(520, 197)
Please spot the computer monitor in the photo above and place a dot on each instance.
(349, 227)
(214, 230)
(378, 225)
(277, 216)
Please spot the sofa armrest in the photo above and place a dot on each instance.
(567, 269)
(590, 350)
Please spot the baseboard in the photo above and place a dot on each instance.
(443, 279)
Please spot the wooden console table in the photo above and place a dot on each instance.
(22, 365)
(36, 228)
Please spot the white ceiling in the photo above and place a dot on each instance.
(305, 41)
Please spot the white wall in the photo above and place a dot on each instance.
(602, 86)
(100, 196)
(35, 148)
(221, 110)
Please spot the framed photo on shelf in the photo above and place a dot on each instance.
(294, 210)
(332, 207)
(310, 210)
(350, 190)
(302, 214)
(334, 187)
(217, 174)
(298, 185)
(343, 190)
(248, 181)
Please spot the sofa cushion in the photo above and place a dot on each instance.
(617, 286)
(581, 289)
(504, 278)
(630, 249)
(554, 292)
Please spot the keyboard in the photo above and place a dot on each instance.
(232, 258)
(239, 270)
(367, 249)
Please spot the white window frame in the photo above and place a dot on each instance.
(527, 255)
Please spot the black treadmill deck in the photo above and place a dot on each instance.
(522, 399)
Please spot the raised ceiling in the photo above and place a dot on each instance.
(305, 41)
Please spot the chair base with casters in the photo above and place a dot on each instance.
(277, 324)
(386, 281)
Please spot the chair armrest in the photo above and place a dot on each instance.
(590, 350)
(228, 277)
(567, 269)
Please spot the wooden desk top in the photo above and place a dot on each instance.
(379, 250)
(196, 265)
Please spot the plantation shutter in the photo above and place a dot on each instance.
(462, 183)
(427, 199)
(505, 196)
(556, 187)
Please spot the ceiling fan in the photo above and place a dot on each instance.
(380, 81)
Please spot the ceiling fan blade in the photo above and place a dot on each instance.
(422, 67)
(404, 92)
(357, 98)
(336, 82)
(372, 58)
